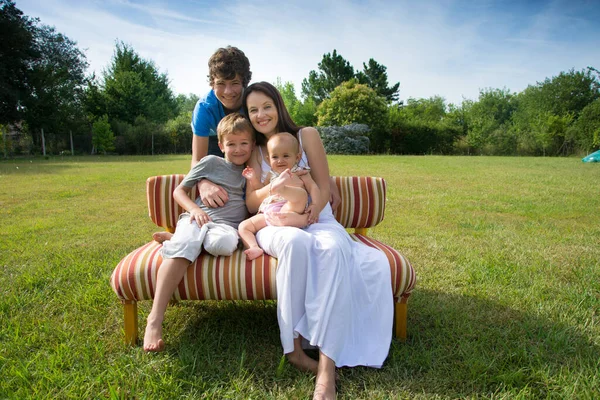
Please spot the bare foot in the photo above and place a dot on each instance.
(303, 362)
(324, 392)
(153, 338)
(253, 252)
(162, 236)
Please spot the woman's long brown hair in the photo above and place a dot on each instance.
(284, 121)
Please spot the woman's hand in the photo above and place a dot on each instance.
(212, 195)
(313, 214)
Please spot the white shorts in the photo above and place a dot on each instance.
(189, 239)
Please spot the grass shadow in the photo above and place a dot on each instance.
(470, 346)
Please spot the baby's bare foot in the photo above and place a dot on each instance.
(162, 236)
(253, 252)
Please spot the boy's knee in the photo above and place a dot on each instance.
(223, 245)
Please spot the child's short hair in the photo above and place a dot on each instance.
(287, 137)
(232, 124)
(226, 62)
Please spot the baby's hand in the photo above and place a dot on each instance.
(313, 215)
(248, 173)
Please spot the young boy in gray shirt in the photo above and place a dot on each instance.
(214, 229)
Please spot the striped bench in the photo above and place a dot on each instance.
(234, 277)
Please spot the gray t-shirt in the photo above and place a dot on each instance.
(229, 177)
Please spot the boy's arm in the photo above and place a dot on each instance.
(181, 194)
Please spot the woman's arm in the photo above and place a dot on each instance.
(319, 168)
(315, 197)
(255, 196)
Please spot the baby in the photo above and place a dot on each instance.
(288, 192)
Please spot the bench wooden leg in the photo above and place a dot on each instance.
(400, 316)
(131, 322)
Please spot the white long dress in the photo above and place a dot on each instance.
(333, 291)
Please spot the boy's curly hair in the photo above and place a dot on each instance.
(226, 62)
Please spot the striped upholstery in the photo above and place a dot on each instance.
(234, 277)
(229, 278)
(208, 278)
(363, 201)
(162, 208)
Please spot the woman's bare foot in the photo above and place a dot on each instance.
(162, 236)
(153, 338)
(324, 392)
(253, 252)
(325, 382)
(303, 362)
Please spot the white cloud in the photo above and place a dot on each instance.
(432, 48)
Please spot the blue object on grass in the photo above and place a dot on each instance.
(594, 157)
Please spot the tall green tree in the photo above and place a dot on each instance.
(489, 120)
(17, 53)
(133, 87)
(333, 70)
(303, 113)
(56, 82)
(560, 98)
(185, 103)
(375, 76)
(585, 132)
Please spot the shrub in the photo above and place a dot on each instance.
(347, 139)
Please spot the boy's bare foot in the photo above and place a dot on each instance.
(253, 252)
(162, 236)
(153, 338)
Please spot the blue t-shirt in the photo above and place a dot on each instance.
(205, 118)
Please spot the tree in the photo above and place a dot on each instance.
(374, 75)
(333, 70)
(302, 113)
(352, 102)
(180, 133)
(133, 87)
(422, 126)
(186, 103)
(561, 97)
(17, 53)
(56, 81)
(585, 132)
(489, 120)
(103, 138)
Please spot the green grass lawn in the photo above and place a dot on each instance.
(507, 304)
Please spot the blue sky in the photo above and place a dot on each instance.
(447, 48)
